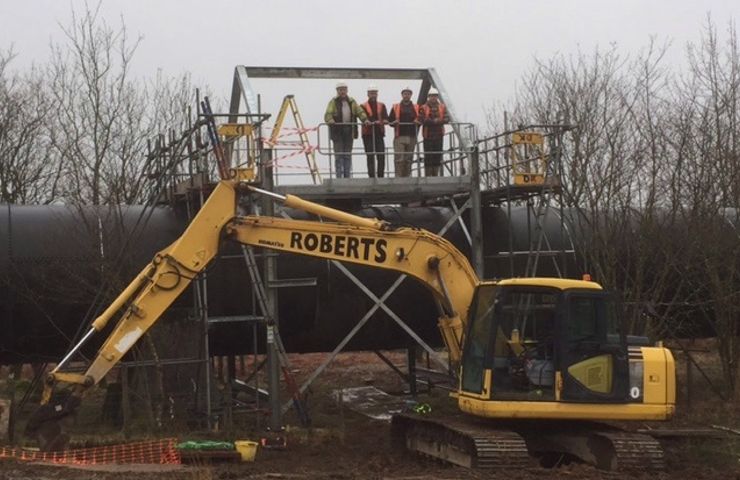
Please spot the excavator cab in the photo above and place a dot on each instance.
(550, 358)
(545, 340)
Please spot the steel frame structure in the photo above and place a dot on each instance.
(243, 93)
(245, 103)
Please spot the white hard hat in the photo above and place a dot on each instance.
(341, 84)
(372, 88)
(433, 91)
(406, 89)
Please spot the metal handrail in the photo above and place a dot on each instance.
(497, 165)
(454, 161)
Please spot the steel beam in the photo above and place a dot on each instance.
(336, 72)
(241, 89)
(270, 274)
(476, 213)
(467, 145)
(390, 313)
(458, 214)
(346, 339)
(379, 303)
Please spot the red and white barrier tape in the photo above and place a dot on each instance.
(274, 163)
(291, 131)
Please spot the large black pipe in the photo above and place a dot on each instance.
(53, 260)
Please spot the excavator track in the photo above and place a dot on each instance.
(468, 442)
(462, 442)
(634, 451)
(604, 447)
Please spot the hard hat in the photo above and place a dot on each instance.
(341, 84)
(407, 89)
(372, 88)
(433, 91)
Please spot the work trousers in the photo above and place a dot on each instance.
(403, 154)
(343, 156)
(374, 148)
(433, 156)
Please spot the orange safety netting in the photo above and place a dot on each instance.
(154, 451)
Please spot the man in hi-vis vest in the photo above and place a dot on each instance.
(341, 114)
(373, 132)
(433, 117)
(404, 118)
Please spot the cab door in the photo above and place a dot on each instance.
(592, 360)
(475, 378)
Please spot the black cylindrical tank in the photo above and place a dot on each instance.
(508, 243)
(54, 259)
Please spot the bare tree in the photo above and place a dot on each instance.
(103, 116)
(97, 107)
(611, 176)
(652, 174)
(710, 171)
(28, 173)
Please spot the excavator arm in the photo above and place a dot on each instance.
(155, 288)
(139, 307)
(430, 259)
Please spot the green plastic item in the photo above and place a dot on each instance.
(205, 445)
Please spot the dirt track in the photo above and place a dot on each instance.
(363, 455)
(346, 445)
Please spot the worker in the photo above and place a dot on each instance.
(433, 117)
(404, 117)
(341, 114)
(373, 133)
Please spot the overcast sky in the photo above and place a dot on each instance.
(479, 48)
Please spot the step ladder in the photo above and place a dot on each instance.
(289, 103)
(539, 213)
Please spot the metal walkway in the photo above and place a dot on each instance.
(375, 191)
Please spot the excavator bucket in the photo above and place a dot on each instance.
(46, 424)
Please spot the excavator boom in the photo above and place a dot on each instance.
(430, 259)
(160, 283)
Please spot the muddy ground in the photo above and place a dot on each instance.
(343, 444)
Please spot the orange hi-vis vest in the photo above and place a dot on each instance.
(368, 129)
(397, 113)
(428, 113)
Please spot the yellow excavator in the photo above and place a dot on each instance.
(540, 360)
